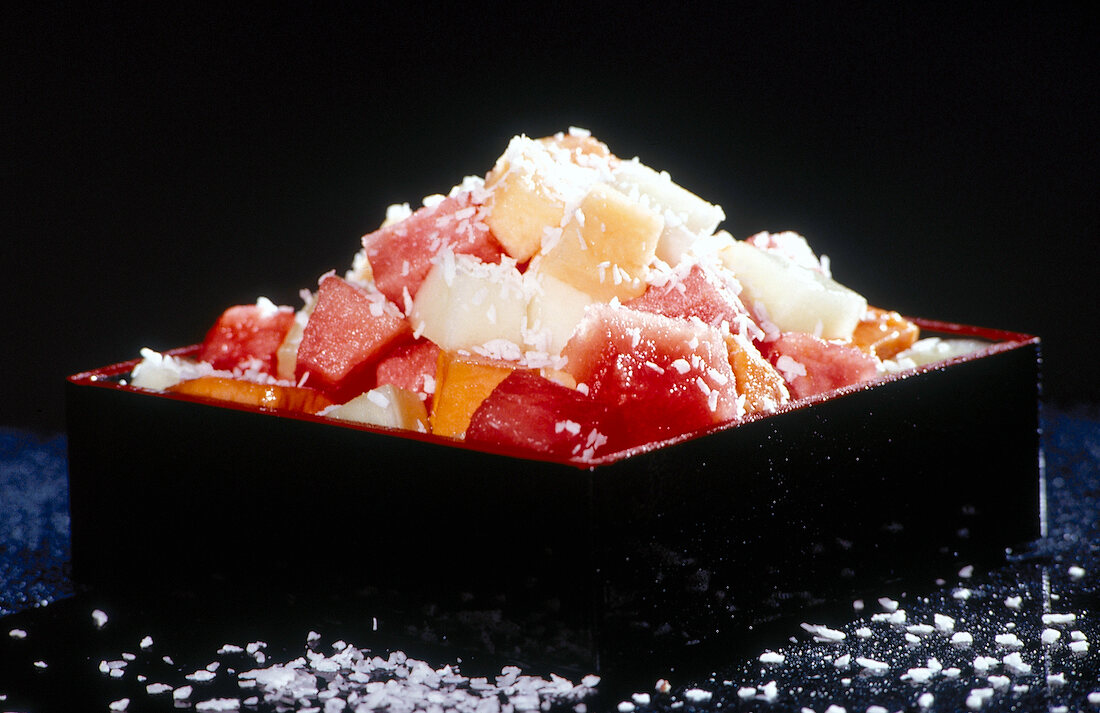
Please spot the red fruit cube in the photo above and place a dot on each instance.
(411, 366)
(349, 329)
(697, 292)
(528, 411)
(812, 365)
(400, 254)
(665, 376)
(247, 336)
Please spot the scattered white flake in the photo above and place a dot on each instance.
(1077, 635)
(662, 686)
(312, 637)
(146, 642)
(984, 663)
(746, 692)
(1021, 688)
(888, 604)
(182, 693)
(1076, 572)
(962, 637)
(1079, 647)
(872, 664)
(835, 709)
(770, 691)
(1013, 602)
(230, 649)
(943, 622)
(897, 618)
(1059, 619)
(128, 657)
(219, 704)
(919, 674)
(1094, 698)
(925, 700)
(1056, 679)
(641, 699)
(876, 709)
(100, 618)
(625, 707)
(697, 695)
(119, 705)
(1010, 640)
(842, 661)
(967, 572)
(200, 676)
(912, 638)
(1015, 663)
(961, 593)
(1049, 636)
(952, 672)
(864, 632)
(17, 634)
(41, 664)
(155, 689)
(857, 605)
(999, 683)
(823, 633)
(771, 657)
(920, 629)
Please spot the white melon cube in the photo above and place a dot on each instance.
(687, 216)
(388, 405)
(555, 310)
(464, 303)
(796, 299)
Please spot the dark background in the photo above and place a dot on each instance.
(163, 163)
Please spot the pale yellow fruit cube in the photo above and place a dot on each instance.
(388, 406)
(553, 313)
(794, 298)
(464, 303)
(606, 247)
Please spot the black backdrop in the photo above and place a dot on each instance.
(161, 164)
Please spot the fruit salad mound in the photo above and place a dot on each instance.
(568, 302)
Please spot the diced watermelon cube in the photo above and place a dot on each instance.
(665, 376)
(349, 329)
(812, 365)
(400, 254)
(247, 335)
(698, 291)
(411, 366)
(528, 411)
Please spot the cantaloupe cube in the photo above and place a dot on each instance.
(461, 384)
(757, 380)
(606, 247)
(796, 299)
(531, 186)
(464, 303)
(687, 216)
(267, 396)
(519, 209)
(387, 405)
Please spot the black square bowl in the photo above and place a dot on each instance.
(640, 564)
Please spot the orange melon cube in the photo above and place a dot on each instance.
(267, 396)
(757, 380)
(462, 382)
(606, 247)
(883, 334)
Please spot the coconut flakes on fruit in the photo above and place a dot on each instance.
(564, 286)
